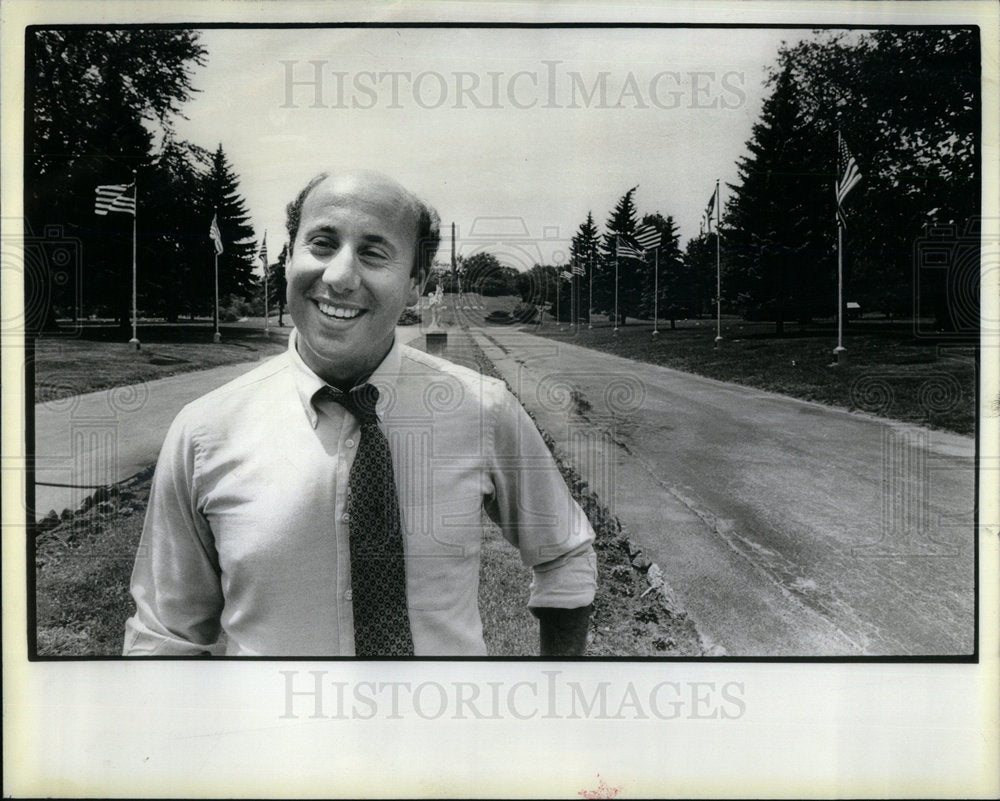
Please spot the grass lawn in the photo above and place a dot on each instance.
(82, 572)
(888, 373)
(100, 358)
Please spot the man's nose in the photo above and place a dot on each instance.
(341, 273)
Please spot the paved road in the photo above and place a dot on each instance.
(103, 437)
(785, 527)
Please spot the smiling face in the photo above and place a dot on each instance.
(349, 273)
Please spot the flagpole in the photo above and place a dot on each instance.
(558, 293)
(134, 341)
(838, 351)
(572, 295)
(263, 258)
(590, 297)
(718, 267)
(216, 337)
(656, 290)
(616, 283)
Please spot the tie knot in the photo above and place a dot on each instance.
(360, 401)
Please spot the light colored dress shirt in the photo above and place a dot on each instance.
(246, 531)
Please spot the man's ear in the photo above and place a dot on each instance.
(417, 284)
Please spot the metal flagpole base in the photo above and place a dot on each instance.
(216, 337)
(840, 356)
(656, 333)
(616, 329)
(134, 343)
(718, 341)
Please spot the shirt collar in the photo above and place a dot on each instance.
(308, 384)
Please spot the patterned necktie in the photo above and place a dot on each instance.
(378, 574)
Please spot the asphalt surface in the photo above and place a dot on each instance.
(786, 528)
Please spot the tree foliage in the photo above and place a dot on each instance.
(220, 196)
(482, 272)
(629, 270)
(94, 96)
(777, 227)
(664, 278)
(906, 103)
(103, 104)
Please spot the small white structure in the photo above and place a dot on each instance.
(435, 303)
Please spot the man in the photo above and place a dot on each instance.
(328, 502)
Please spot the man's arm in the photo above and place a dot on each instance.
(562, 632)
(536, 512)
(175, 582)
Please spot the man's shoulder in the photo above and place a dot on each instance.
(245, 389)
(424, 365)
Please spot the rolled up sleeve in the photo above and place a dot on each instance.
(536, 512)
(176, 578)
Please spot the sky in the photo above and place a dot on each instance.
(512, 134)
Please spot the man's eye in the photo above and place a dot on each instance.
(322, 243)
(374, 254)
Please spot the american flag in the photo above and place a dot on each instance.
(578, 269)
(263, 250)
(706, 217)
(627, 247)
(647, 237)
(847, 169)
(213, 232)
(113, 197)
(566, 275)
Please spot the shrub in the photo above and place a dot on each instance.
(233, 308)
(409, 317)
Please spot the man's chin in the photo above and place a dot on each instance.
(343, 353)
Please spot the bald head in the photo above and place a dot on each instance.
(366, 186)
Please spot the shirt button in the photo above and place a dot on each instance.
(346, 517)
(349, 443)
(348, 595)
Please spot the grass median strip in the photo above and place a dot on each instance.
(99, 359)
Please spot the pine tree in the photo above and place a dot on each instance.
(584, 252)
(777, 223)
(278, 286)
(673, 294)
(700, 278)
(622, 220)
(221, 197)
(169, 256)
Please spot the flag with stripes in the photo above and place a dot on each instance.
(847, 169)
(627, 247)
(566, 275)
(115, 197)
(578, 269)
(706, 217)
(213, 232)
(647, 237)
(263, 250)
